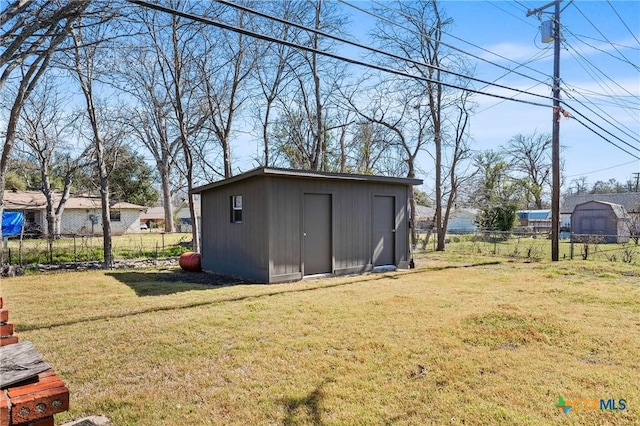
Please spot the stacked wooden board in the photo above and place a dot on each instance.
(30, 391)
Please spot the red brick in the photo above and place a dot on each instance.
(4, 315)
(8, 340)
(47, 379)
(6, 329)
(4, 410)
(37, 405)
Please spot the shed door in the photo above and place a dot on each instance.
(384, 229)
(317, 234)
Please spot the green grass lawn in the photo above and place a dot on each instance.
(456, 341)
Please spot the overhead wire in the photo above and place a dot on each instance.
(210, 21)
(611, 118)
(392, 22)
(372, 49)
(249, 33)
(605, 37)
(571, 107)
(573, 116)
(601, 170)
(583, 60)
(604, 138)
(623, 22)
(586, 64)
(519, 18)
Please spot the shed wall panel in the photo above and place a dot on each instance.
(236, 248)
(352, 226)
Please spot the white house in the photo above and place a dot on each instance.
(81, 215)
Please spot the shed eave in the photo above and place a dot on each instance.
(276, 172)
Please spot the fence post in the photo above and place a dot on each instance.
(571, 249)
(156, 250)
(163, 250)
(75, 253)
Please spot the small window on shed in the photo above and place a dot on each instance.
(115, 215)
(236, 209)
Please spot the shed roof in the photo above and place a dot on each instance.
(618, 209)
(630, 201)
(277, 172)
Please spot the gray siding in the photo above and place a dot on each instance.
(239, 249)
(352, 227)
(595, 218)
(268, 245)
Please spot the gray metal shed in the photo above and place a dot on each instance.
(277, 225)
(609, 220)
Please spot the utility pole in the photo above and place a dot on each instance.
(555, 134)
(637, 177)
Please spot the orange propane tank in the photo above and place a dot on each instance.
(190, 261)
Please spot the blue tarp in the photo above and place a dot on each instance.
(12, 223)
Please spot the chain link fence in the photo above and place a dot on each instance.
(537, 246)
(33, 249)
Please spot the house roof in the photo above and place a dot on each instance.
(270, 171)
(425, 213)
(534, 214)
(153, 213)
(630, 201)
(618, 209)
(35, 200)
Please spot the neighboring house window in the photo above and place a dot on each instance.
(236, 209)
(115, 215)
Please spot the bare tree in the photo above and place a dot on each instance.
(530, 158)
(31, 33)
(458, 173)
(276, 68)
(225, 66)
(44, 131)
(418, 37)
(307, 101)
(86, 45)
(395, 107)
(149, 119)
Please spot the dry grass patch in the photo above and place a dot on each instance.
(446, 344)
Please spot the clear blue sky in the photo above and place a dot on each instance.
(600, 55)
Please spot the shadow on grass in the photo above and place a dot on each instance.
(165, 283)
(142, 283)
(307, 409)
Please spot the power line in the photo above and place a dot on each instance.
(604, 112)
(605, 37)
(603, 170)
(623, 60)
(623, 23)
(598, 134)
(586, 65)
(602, 128)
(263, 37)
(350, 60)
(511, 14)
(372, 49)
(394, 23)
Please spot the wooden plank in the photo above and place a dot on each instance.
(20, 361)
